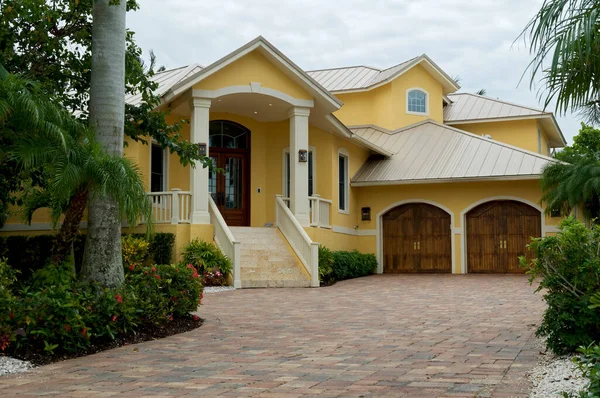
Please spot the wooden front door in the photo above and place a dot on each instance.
(416, 238)
(229, 186)
(497, 235)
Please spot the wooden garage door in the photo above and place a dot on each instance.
(498, 233)
(416, 238)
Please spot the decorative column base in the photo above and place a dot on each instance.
(200, 217)
(303, 219)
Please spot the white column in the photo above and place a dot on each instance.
(198, 175)
(299, 170)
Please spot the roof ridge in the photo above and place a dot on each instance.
(404, 62)
(502, 101)
(345, 67)
(172, 69)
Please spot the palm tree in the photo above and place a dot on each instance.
(565, 40)
(566, 186)
(102, 261)
(43, 136)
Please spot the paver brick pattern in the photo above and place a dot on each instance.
(383, 335)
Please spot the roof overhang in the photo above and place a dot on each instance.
(448, 84)
(445, 180)
(329, 102)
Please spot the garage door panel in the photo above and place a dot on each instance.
(416, 238)
(498, 233)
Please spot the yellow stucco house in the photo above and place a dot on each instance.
(393, 162)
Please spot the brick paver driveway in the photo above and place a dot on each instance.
(414, 335)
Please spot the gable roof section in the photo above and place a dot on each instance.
(272, 54)
(467, 106)
(429, 152)
(166, 80)
(473, 108)
(363, 78)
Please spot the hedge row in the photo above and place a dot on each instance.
(27, 254)
(339, 265)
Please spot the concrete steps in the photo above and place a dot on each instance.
(266, 260)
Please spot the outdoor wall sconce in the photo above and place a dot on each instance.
(366, 213)
(555, 213)
(201, 149)
(303, 155)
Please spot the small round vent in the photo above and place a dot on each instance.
(488, 136)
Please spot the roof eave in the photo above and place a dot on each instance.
(445, 180)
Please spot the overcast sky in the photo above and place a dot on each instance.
(473, 39)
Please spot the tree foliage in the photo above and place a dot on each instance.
(575, 180)
(44, 137)
(51, 41)
(564, 37)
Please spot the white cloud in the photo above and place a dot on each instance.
(472, 39)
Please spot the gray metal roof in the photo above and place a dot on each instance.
(365, 77)
(431, 152)
(354, 77)
(468, 107)
(166, 80)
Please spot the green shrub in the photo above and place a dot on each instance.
(27, 254)
(353, 264)
(135, 251)
(325, 265)
(7, 301)
(568, 268)
(206, 257)
(60, 314)
(161, 247)
(589, 365)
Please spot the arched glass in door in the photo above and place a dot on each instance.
(228, 134)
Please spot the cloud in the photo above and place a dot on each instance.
(472, 39)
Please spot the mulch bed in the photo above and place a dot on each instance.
(146, 333)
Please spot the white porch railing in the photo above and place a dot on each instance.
(306, 250)
(225, 240)
(172, 207)
(319, 211)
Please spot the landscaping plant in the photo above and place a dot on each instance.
(60, 314)
(347, 265)
(135, 251)
(206, 258)
(589, 365)
(325, 265)
(567, 267)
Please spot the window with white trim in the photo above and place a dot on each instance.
(158, 169)
(287, 173)
(417, 101)
(343, 182)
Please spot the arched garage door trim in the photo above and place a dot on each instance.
(463, 222)
(379, 227)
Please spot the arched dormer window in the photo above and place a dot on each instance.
(417, 101)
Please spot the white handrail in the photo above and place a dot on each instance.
(171, 206)
(320, 210)
(306, 250)
(225, 240)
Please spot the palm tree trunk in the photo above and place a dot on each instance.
(70, 227)
(102, 259)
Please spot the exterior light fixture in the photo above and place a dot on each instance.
(202, 149)
(555, 213)
(303, 155)
(366, 213)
